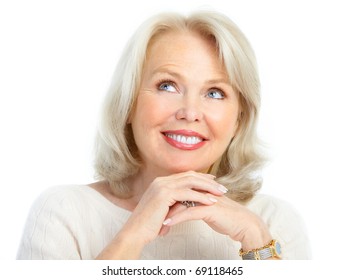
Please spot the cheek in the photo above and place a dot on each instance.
(151, 111)
(224, 122)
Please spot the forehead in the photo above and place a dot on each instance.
(183, 46)
(179, 39)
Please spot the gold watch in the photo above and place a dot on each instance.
(271, 250)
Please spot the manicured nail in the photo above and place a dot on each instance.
(222, 189)
(212, 199)
(167, 221)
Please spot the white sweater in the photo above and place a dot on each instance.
(77, 222)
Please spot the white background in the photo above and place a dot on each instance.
(56, 61)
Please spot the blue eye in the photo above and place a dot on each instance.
(216, 94)
(167, 86)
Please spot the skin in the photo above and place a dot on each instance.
(186, 84)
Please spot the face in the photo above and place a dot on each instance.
(186, 111)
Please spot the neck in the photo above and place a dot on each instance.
(140, 182)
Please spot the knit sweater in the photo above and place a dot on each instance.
(77, 222)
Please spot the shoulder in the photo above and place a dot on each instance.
(77, 200)
(286, 224)
(63, 190)
(58, 199)
(265, 205)
(62, 194)
(63, 221)
(52, 225)
(275, 211)
(71, 199)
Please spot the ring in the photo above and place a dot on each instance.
(188, 203)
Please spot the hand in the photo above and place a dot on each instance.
(164, 194)
(226, 217)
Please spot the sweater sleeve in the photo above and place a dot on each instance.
(287, 226)
(48, 233)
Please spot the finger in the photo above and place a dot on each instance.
(189, 214)
(194, 173)
(183, 213)
(194, 196)
(164, 230)
(200, 183)
(175, 209)
(205, 176)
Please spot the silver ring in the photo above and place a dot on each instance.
(188, 203)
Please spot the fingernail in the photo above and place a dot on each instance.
(222, 189)
(212, 199)
(167, 221)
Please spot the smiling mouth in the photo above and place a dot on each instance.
(189, 140)
(184, 139)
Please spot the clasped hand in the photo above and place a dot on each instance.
(160, 208)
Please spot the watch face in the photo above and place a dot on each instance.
(278, 248)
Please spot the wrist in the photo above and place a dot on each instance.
(271, 251)
(131, 238)
(257, 243)
(124, 246)
(256, 236)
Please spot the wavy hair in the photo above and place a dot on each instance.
(116, 156)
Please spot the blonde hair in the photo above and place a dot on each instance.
(116, 156)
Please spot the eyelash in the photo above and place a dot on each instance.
(221, 92)
(165, 82)
(171, 83)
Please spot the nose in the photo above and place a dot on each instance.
(190, 109)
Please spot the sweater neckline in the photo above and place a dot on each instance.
(108, 204)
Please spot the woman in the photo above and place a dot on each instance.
(176, 156)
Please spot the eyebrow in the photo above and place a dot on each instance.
(164, 71)
(219, 81)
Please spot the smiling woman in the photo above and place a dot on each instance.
(176, 157)
(189, 105)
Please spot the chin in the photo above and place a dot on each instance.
(186, 168)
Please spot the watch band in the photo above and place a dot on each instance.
(262, 254)
(273, 249)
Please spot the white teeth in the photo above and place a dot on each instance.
(192, 140)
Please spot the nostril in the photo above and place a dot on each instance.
(189, 114)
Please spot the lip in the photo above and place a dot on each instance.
(186, 133)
